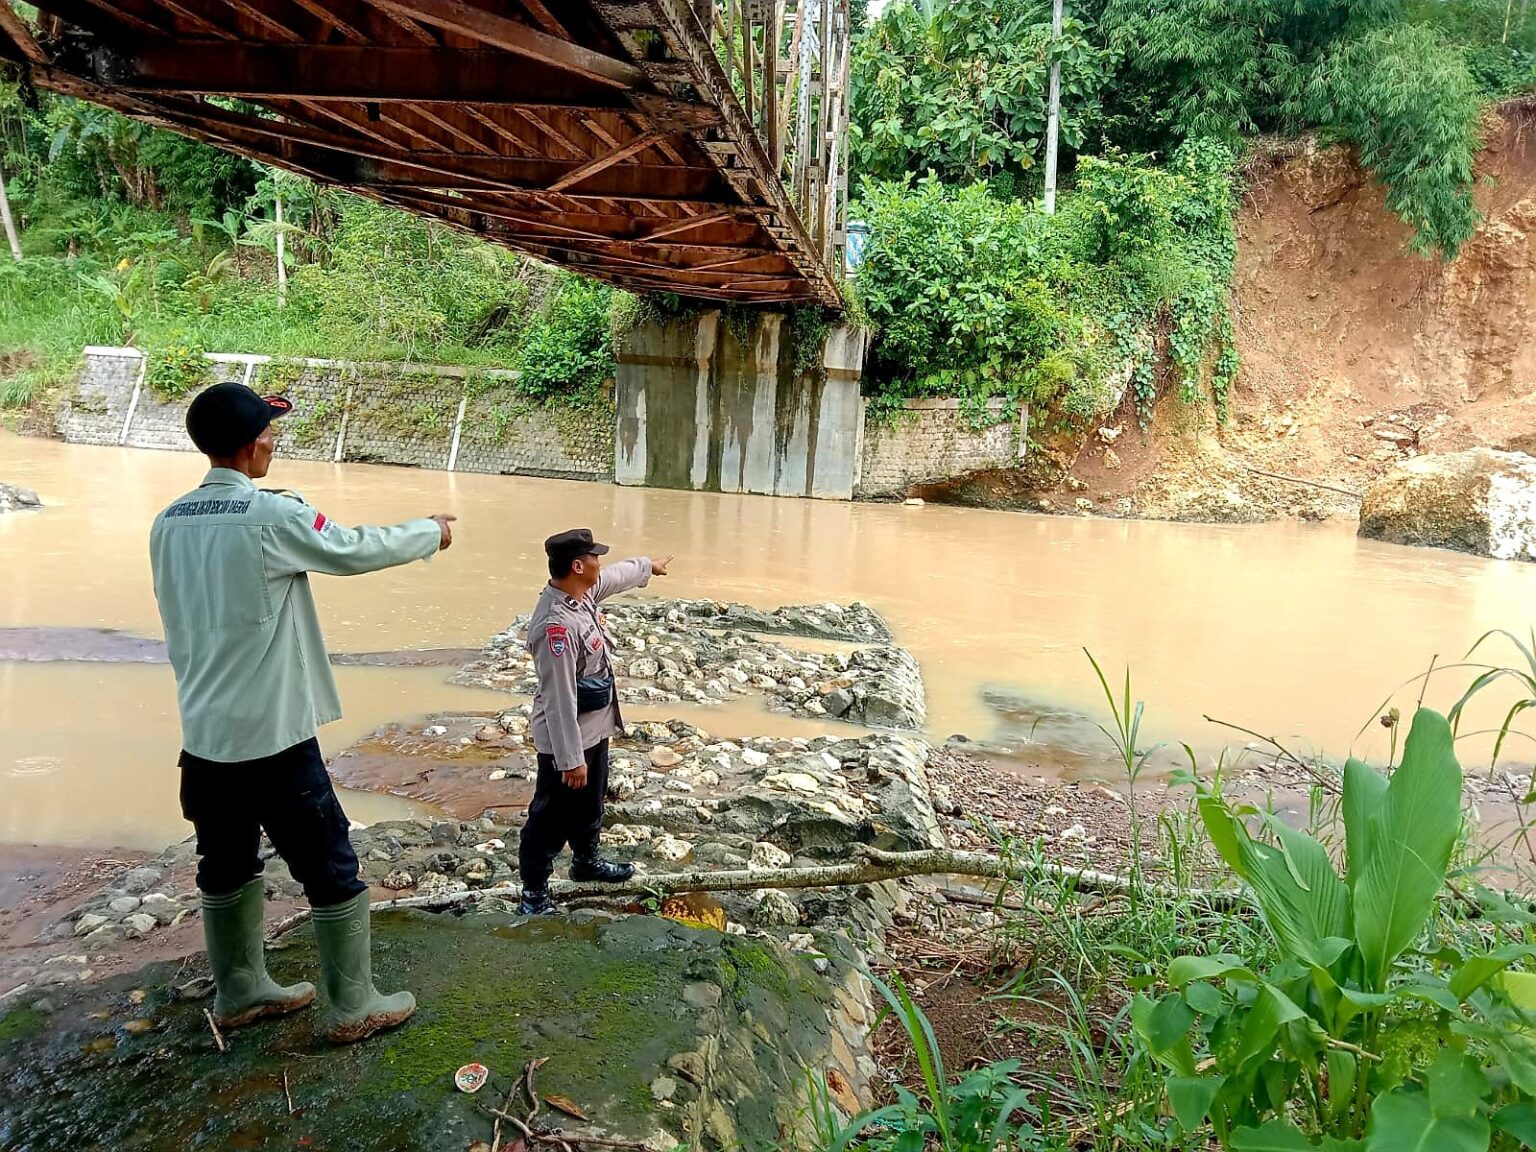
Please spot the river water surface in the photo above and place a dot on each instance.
(1294, 630)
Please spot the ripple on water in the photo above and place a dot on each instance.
(36, 765)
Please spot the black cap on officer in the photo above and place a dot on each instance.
(228, 416)
(564, 547)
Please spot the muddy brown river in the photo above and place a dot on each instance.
(1293, 630)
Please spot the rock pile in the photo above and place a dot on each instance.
(669, 652)
(134, 905)
(679, 801)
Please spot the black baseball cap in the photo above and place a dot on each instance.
(572, 545)
(226, 417)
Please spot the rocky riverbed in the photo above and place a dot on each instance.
(701, 652)
(722, 1004)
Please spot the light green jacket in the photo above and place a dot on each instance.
(231, 565)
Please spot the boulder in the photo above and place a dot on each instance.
(13, 498)
(1480, 501)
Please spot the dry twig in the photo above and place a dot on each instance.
(217, 1038)
(287, 1095)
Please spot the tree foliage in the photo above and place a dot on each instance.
(958, 87)
(983, 296)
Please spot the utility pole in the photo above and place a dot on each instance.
(1053, 123)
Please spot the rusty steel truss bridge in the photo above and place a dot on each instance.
(687, 146)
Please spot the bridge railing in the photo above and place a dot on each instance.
(788, 61)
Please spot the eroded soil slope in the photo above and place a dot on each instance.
(1355, 352)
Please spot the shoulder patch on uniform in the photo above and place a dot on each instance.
(320, 521)
(559, 639)
(572, 602)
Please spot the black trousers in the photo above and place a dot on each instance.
(561, 814)
(290, 796)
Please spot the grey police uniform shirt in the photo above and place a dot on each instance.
(231, 564)
(569, 642)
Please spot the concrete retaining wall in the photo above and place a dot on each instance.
(413, 415)
(932, 440)
(700, 403)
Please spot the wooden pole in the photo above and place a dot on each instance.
(282, 267)
(792, 88)
(771, 38)
(1053, 124)
(730, 39)
(10, 224)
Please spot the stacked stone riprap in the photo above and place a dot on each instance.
(700, 652)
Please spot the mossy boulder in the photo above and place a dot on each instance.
(658, 1031)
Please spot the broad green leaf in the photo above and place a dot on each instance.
(1276, 1136)
(1354, 1002)
(1428, 991)
(1270, 1012)
(1301, 915)
(1364, 790)
(1169, 1022)
(1519, 1120)
(1342, 1067)
(1206, 999)
(1411, 838)
(1401, 1121)
(1475, 971)
(1186, 969)
(1520, 987)
(1518, 1058)
(1456, 1084)
(1179, 1057)
(1191, 1098)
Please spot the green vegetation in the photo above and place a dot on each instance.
(980, 297)
(134, 235)
(975, 292)
(1352, 987)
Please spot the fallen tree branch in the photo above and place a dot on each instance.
(1308, 483)
(870, 866)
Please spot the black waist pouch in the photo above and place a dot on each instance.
(593, 693)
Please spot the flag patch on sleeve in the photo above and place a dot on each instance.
(559, 639)
(320, 521)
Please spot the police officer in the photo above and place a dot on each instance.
(231, 571)
(575, 711)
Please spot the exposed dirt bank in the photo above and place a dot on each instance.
(1355, 353)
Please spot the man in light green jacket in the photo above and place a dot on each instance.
(231, 570)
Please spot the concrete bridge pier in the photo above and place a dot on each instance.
(741, 402)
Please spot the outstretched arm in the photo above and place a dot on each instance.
(308, 541)
(628, 574)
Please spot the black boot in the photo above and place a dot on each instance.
(594, 867)
(537, 904)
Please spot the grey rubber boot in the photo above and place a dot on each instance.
(354, 1008)
(232, 930)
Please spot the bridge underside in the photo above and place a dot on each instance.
(603, 135)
